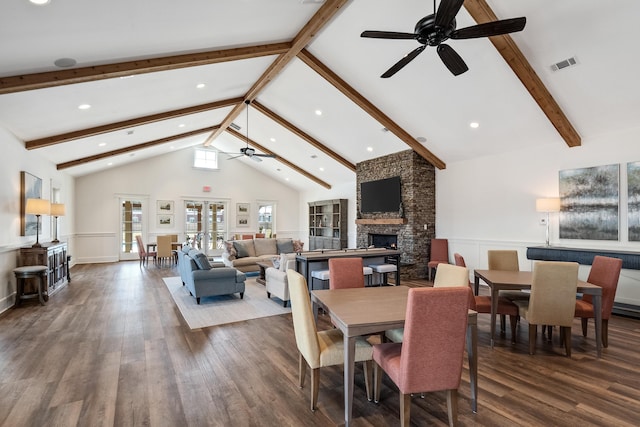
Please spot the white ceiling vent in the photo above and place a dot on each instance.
(234, 126)
(570, 62)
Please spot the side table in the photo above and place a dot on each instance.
(28, 272)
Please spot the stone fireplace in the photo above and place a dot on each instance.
(413, 226)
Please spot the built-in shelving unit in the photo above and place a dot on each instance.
(328, 224)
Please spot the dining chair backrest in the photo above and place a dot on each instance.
(304, 324)
(345, 273)
(164, 246)
(434, 338)
(553, 293)
(449, 275)
(459, 260)
(605, 272)
(439, 250)
(174, 238)
(506, 260)
(141, 249)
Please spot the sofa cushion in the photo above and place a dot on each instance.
(285, 246)
(230, 249)
(297, 245)
(202, 261)
(244, 248)
(265, 247)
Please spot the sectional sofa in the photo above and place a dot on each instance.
(244, 254)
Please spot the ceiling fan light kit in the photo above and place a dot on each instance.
(435, 29)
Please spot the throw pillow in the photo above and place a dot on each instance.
(276, 262)
(202, 261)
(285, 246)
(244, 248)
(297, 245)
(230, 249)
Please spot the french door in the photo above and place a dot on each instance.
(132, 224)
(206, 224)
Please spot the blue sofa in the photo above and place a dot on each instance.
(204, 280)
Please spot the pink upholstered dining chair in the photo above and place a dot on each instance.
(438, 254)
(142, 252)
(430, 356)
(482, 304)
(345, 273)
(319, 348)
(605, 272)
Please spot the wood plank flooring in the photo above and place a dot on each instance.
(111, 349)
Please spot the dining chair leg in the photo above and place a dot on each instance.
(503, 326)
(585, 323)
(366, 367)
(605, 333)
(377, 382)
(452, 407)
(533, 333)
(513, 322)
(302, 370)
(565, 333)
(405, 410)
(315, 385)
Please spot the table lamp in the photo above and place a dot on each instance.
(549, 204)
(37, 207)
(57, 209)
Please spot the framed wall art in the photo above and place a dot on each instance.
(242, 208)
(633, 200)
(165, 220)
(242, 221)
(30, 188)
(589, 203)
(165, 206)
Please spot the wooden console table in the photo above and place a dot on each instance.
(52, 255)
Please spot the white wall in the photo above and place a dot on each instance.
(489, 203)
(171, 177)
(16, 158)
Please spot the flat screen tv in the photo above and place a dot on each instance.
(383, 195)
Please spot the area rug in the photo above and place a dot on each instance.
(223, 309)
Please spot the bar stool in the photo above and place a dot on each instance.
(322, 275)
(384, 270)
(29, 272)
(368, 274)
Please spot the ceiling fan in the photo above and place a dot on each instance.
(434, 29)
(248, 151)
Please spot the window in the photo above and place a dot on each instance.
(266, 214)
(206, 159)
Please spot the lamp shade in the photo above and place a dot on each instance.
(57, 209)
(37, 207)
(550, 204)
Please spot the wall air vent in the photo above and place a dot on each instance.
(570, 62)
(234, 126)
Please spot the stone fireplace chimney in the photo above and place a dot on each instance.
(415, 226)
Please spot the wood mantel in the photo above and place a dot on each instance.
(381, 221)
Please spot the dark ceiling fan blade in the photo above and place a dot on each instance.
(268, 156)
(447, 12)
(488, 29)
(235, 157)
(451, 59)
(404, 61)
(387, 35)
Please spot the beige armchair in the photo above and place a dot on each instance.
(276, 281)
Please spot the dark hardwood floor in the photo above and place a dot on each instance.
(112, 349)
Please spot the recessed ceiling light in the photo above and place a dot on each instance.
(200, 85)
(474, 125)
(110, 164)
(181, 125)
(102, 144)
(370, 149)
(286, 179)
(39, 2)
(64, 62)
(84, 106)
(321, 169)
(272, 139)
(318, 112)
(130, 76)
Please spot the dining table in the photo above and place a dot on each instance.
(372, 310)
(499, 280)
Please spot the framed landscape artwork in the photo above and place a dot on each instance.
(590, 203)
(165, 206)
(30, 188)
(165, 220)
(633, 200)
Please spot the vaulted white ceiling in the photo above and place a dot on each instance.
(599, 95)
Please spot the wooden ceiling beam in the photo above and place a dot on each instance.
(124, 150)
(123, 69)
(304, 36)
(481, 13)
(315, 64)
(303, 135)
(127, 124)
(278, 158)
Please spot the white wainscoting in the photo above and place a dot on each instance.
(96, 248)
